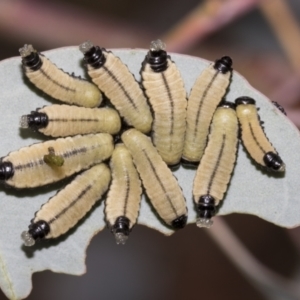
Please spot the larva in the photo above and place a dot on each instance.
(55, 82)
(26, 167)
(65, 120)
(69, 205)
(254, 138)
(123, 200)
(207, 92)
(112, 76)
(161, 186)
(217, 163)
(165, 90)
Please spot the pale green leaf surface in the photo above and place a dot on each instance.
(251, 190)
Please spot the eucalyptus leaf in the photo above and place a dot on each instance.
(252, 190)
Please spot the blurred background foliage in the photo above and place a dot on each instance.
(248, 258)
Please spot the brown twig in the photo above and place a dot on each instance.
(285, 27)
(271, 282)
(54, 25)
(204, 20)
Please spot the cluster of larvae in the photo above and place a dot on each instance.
(151, 129)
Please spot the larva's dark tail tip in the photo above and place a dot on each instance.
(224, 64)
(174, 167)
(6, 170)
(227, 104)
(206, 206)
(189, 164)
(38, 230)
(179, 222)
(121, 230)
(274, 162)
(206, 209)
(244, 100)
(34, 121)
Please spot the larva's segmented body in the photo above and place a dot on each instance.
(161, 186)
(207, 92)
(113, 77)
(69, 205)
(165, 90)
(217, 163)
(65, 120)
(254, 138)
(123, 199)
(60, 85)
(26, 167)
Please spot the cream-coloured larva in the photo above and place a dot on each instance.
(217, 163)
(26, 167)
(113, 77)
(60, 85)
(254, 138)
(207, 92)
(69, 205)
(123, 200)
(65, 120)
(160, 184)
(165, 90)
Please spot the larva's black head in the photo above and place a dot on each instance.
(206, 210)
(30, 58)
(227, 104)
(223, 65)
(244, 100)
(179, 222)
(6, 170)
(274, 162)
(35, 121)
(157, 57)
(121, 230)
(37, 231)
(93, 55)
